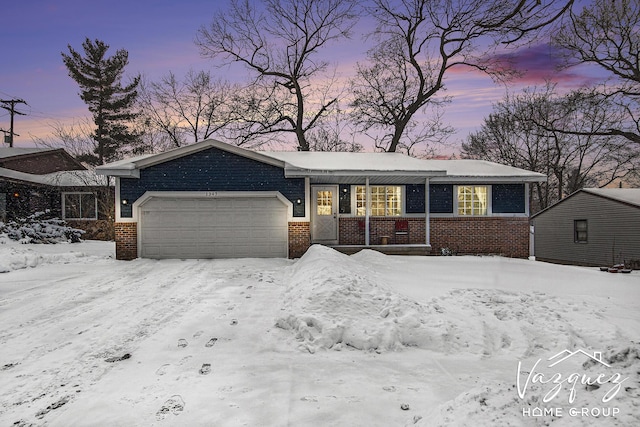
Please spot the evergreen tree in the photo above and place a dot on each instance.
(111, 104)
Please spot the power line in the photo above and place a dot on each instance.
(12, 111)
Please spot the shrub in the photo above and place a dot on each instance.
(37, 228)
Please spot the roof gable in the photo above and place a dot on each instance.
(628, 196)
(38, 161)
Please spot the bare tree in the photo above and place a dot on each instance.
(606, 33)
(420, 42)
(186, 111)
(510, 135)
(279, 42)
(331, 133)
(77, 138)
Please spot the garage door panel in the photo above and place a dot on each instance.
(214, 228)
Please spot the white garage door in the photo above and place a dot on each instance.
(234, 227)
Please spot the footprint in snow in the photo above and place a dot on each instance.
(118, 358)
(182, 342)
(174, 405)
(163, 369)
(206, 368)
(197, 334)
(211, 342)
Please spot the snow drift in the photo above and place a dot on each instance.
(333, 301)
(14, 256)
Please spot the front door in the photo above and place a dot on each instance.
(324, 220)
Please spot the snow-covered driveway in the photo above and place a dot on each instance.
(87, 340)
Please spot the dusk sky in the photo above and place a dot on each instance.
(159, 36)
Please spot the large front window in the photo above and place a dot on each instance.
(472, 200)
(79, 206)
(385, 200)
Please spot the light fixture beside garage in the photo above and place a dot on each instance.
(298, 201)
(125, 202)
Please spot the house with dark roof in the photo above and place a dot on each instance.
(215, 200)
(591, 227)
(40, 179)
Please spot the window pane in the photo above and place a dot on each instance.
(464, 200)
(88, 206)
(580, 231)
(472, 200)
(385, 200)
(361, 201)
(72, 206)
(394, 195)
(479, 200)
(324, 202)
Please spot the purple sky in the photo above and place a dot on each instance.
(159, 36)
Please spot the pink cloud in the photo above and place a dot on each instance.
(539, 63)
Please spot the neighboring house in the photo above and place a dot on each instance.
(214, 200)
(592, 227)
(36, 180)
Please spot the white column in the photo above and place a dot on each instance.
(366, 211)
(427, 226)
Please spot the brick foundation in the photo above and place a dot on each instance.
(126, 240)
(496, 235)
(299, 238)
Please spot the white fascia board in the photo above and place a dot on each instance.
(486, 179)
(131, 169)
(123, 173)
(201, 146)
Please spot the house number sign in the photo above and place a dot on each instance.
(211, 194)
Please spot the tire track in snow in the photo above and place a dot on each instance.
(166, 293)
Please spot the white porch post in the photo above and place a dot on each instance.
(427, 225)
(366, 211)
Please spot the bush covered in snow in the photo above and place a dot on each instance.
(37, 228)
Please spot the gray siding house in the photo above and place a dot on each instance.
(592, 227)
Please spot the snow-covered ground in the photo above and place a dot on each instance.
(327, 340)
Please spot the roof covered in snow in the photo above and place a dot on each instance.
(625, 195)
(76, 178)
(6, 152)
(343, 167)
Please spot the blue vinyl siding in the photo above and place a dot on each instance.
(415, 198)
(441, 198)
(212, 170)
(508, 198)
(345, 198)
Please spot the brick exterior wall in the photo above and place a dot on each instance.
(126, 240)
(299, 238)
(494, 235)
(351, 233)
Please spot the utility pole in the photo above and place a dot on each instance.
(12, 110)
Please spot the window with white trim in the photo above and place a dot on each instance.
(385, 200)
(472, 200)
(79, 206)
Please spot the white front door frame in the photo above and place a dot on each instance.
(324, 225)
